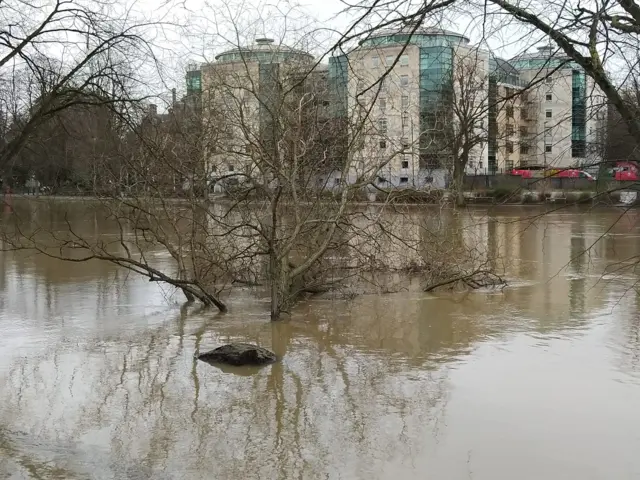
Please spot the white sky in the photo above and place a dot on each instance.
(207, 27)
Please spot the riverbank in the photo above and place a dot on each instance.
(431, 197)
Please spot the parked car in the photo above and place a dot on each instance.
(528, 172)
(540, 172)
(626, 171)
(569, 173)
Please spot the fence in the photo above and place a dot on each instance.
(515, 182)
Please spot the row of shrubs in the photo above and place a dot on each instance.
(498, 195)
(519, 196)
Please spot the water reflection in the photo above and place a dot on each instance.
(99, 378)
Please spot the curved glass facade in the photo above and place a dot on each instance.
(194, 82)
(504, 72)
(263, 56)
(435, 94)
(419, 39)
(338, 81)
(578, 114)
(541, 62)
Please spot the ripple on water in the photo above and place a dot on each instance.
(100, 380)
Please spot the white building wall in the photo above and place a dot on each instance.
(473, 62)
(394, 152)
(554, 96)
(230, 115)
(597, 104)
(386, 113)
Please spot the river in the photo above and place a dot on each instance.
(539, 380)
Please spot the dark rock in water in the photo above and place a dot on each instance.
(239, 354)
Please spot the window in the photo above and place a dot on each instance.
(390, 60)
(375, 62)
(336, 181)
(382, 126)
(549, 97)
(510, 111)
(404, 80)
(548, 132)
(404, 60)
(548, 113)
(230, 167)
(428, 179)
(508, 92)
(383, 144)
(548, 148)
(509, 147)
(509, 164)
(510, 130)
(524, 149)
(549, 79)
(405, 164)
(578, 148)
(382, 101)
(523, 130)
(404, 180)
(405, 101)
(405, 144)
(405, 119)
(380, 180)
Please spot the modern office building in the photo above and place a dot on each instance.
(395, 90)
(193, 79)
(566, 112)
(241, 97)
(392, 100)
(398, 89)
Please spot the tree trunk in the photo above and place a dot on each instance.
(278, 271)
(274, 285)
(458, 184)
(190, 297)
(280, 286)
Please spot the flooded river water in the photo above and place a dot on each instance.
(538, 381)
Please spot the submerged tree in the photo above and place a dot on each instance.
(254, 180)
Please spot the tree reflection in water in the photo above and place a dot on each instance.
(95, 380)
(143, 401)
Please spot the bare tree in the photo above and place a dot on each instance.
(259, 185)
(462, 115)
(59, 54)
(596, 37)
(287, 169)
(68, 149)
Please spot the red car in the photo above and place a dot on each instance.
(528, 172)
(564, 173)
(626, 171)
(571, 173)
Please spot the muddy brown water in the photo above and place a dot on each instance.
(540, 380)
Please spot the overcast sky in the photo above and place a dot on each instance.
(207, 27)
